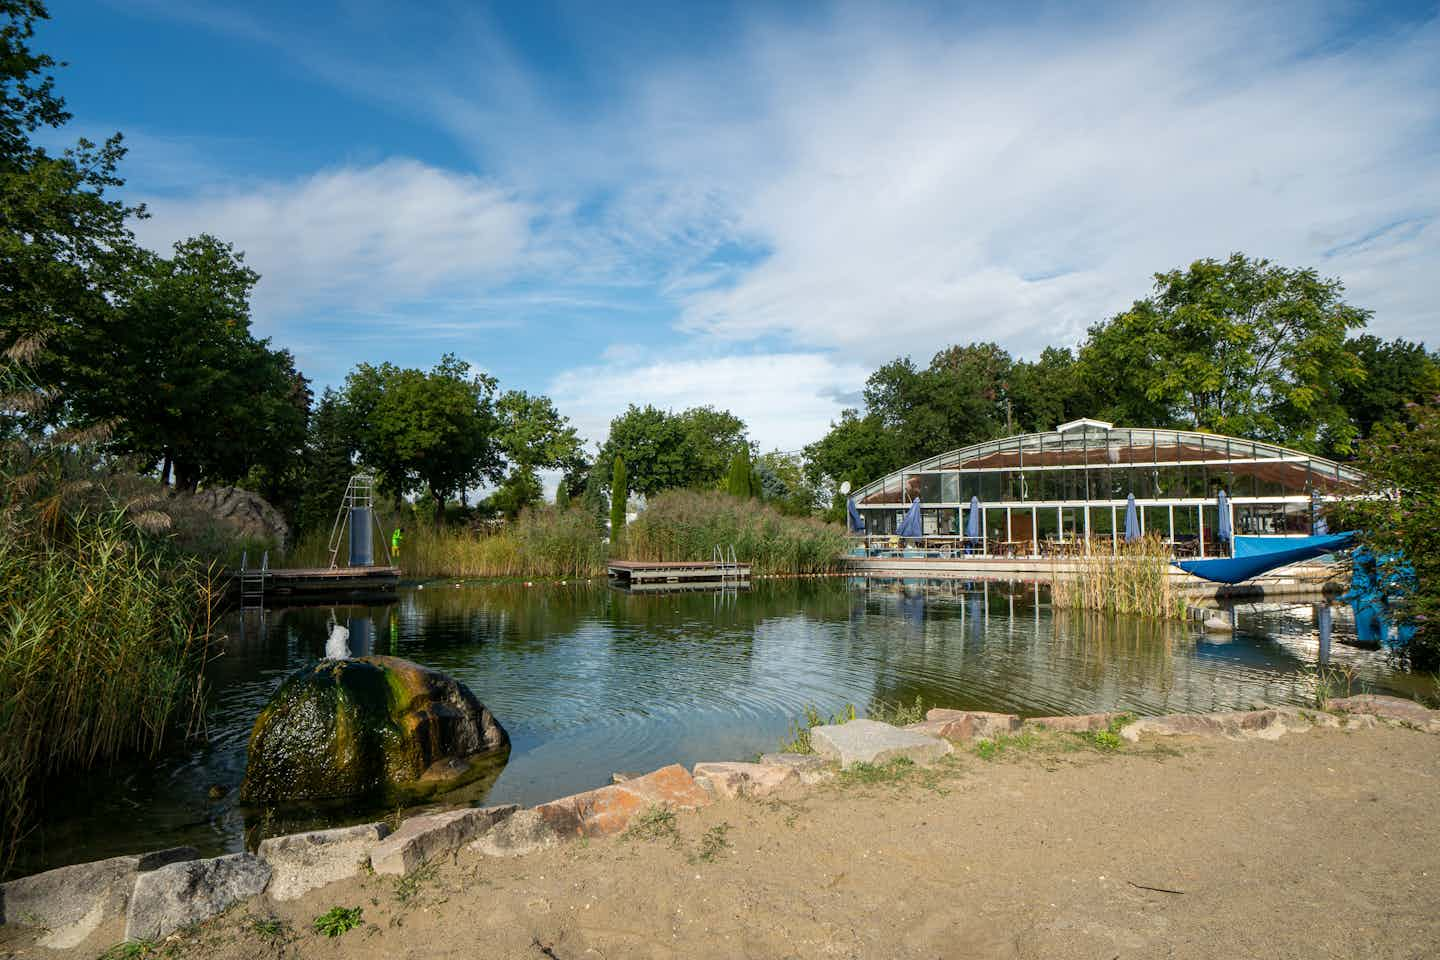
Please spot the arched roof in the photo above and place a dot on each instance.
(1095, 443)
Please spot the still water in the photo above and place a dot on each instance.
(589, 681)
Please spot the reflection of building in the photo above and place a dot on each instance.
(1071, 484)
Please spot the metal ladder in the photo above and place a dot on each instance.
(359, 492)
(729, 567)
(252, 581)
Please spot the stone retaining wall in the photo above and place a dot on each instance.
(160, 892)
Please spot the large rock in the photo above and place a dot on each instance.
(870, 741)
(812, 769)
(744, 779)
(523, 832)
(434, 835)
(609, 810)
(72, 902)
(245, 512)
(377, 726)
(1082, 723)
(301, 862)
(174, 896)
(1390, 708)
(972, 724)
(1269, 724)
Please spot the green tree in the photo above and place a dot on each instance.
(1242, 347)
(562, 496)
(665, 450)
(174, 369)
(434, 431)
(856, 449)
(1048, 392)
(328, 462)
(783, 483)
(532, 436)
(1400, 519)
(619, 494)
(1397, 373)
(66, 250)
(740, 481)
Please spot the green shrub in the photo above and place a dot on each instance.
(338, 920)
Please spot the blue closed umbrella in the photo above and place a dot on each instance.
(857, 522)
(1132, 520)
(1223, 530)
(972, 526)
(910, 526)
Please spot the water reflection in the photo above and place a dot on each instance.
(589, 681)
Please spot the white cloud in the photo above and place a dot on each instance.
(787, 399)
(357, 237)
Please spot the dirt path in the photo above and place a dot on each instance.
(1321, 844)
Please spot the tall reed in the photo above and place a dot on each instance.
(1135, 579)
(541, 542)
(103, 637)
(690, 525)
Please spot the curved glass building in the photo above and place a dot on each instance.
(1066, 490)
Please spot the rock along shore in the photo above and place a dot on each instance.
(155, 894)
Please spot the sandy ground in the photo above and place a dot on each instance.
(1320, 844)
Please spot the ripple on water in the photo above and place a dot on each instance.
(589, 681)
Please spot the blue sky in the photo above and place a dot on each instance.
(753, 205)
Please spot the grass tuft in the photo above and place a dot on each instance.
(656, 823)
(338, 920)
(713, 844)
(798, 739)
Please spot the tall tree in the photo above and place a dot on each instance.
(533, 436)
(434, 431)
(664, 450)
(619, 494)
(1242, 347)
(174, 367)
(65, 246)
(1397, 373)
(328, 462)
(740, 481)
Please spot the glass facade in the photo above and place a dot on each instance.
(1071, 484)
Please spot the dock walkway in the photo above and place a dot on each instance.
(643, 572)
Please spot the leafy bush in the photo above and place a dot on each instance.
(339, 920)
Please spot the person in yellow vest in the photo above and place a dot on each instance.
(395, 539)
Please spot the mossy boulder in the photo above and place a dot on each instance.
(372, 726)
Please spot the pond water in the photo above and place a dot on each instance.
(589, 680)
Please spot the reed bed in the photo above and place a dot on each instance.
(1136, 580)
(690, 525)
(541, 542)
(103, 636)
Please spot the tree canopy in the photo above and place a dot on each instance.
(665, 450)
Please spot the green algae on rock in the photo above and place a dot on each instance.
(370, 726)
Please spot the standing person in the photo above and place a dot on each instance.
(395, 539)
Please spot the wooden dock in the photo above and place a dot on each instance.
(301, 582)
(701, 573)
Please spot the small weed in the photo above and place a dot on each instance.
(993, 749)
(713, 844)
(1105, 740)
(130, 950)
(1332, 681)
(408, 887)
(896, 714)
(338, 920)
(657, 823)
(799, 736)
(268, 928)
(892, 771)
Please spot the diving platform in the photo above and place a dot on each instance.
(701, 573)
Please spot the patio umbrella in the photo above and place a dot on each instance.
(972, 525)
(910, 526)
(857, 522)
(1132, 521)
(1223, 530)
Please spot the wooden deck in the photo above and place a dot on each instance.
(640, 572)
(326, 581)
